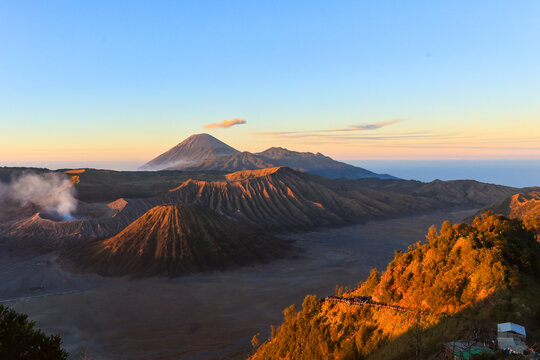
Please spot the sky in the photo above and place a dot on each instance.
(379, 80)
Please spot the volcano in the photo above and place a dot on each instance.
(176, 239)
(192, 150)
(203, 152)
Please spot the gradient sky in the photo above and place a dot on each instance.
(115, 80)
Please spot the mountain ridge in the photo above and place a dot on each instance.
(524, 206)
(273, 199)
(203, 152)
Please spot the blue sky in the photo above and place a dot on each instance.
(127, 80)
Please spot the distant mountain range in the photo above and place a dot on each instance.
(203, 152)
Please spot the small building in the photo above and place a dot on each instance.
(511, 337)
(465, 350)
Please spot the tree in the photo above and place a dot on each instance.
(256, 342)
(20, 341)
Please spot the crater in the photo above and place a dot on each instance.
(54, 216)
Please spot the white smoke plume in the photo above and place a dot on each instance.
(51, 192)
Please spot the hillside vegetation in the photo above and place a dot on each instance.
(20, 340)
(461, 282)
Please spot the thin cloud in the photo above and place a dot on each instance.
(372, 126)
(421, 140)
(362, 127)
(225, 124)
(380, 137)
(356, 137)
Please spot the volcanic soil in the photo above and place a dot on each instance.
(203, 316)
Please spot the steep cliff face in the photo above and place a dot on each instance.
(176, 239)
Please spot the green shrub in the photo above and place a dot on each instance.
(20, 341)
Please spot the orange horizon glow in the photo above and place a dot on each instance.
(368, 150)
(385, 139)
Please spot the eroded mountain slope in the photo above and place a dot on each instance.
(177, 239)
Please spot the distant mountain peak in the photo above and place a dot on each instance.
(194, 149)
(206, 139)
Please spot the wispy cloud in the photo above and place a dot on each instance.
(364, 133)
(372, 126)
(225, 124)
(423, 142)
(343, 138)
(309, 133)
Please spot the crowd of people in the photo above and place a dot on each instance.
(364, 300)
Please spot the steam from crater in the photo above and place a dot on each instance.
(52, 193)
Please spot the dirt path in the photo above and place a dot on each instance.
(28, 298)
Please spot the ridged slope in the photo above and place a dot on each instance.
(279, 198)
(177, 239)
(284, 199)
